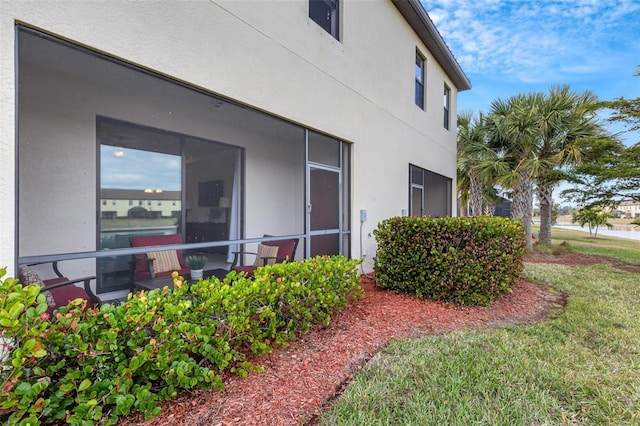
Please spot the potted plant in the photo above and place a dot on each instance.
(196, 263)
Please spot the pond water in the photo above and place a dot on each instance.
(629, 232)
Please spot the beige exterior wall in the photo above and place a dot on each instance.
(271, 56)
(71, 104)
(629, 208)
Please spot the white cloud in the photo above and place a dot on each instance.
(580, 68)
(533, 41)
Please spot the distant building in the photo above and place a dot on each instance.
(629, 209)
(119, 203)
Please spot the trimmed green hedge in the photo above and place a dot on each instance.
(465, 260)
(87, 366)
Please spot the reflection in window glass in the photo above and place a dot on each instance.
(133, 166)
(419, 77)
(128, 168)
(152, 166)
(446, 101)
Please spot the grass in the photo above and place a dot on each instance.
(582, 367)
(624, 250)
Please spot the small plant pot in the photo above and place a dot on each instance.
(196, 274)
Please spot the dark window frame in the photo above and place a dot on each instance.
(419, 79)
(447, 103)
(326, 13)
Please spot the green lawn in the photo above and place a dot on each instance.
(626, 251)
(582, 367)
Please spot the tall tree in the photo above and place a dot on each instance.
(479, 164)
(538, 134)
(626, 111)
(614, 173)
(594, 218)
(476, 178)
(567, 119)
(470, 145)
(513, 126)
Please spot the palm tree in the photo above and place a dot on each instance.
(539, 135)
(471, 144)
(512, 127)
(594, 218)
(477, 164)
(463, 192)
(566, 121)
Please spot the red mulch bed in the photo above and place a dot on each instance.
(300, 379)
(580, 259)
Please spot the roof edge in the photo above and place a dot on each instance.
(415, 14)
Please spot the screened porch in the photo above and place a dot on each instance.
(108, 151)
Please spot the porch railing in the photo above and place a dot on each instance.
(137, 250)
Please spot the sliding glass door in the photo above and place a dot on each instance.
(154, 182)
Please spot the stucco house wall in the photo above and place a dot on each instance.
(629, 208)
(267, 55)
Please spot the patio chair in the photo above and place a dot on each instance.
(59, 290)
(157, 264)
(269, 252)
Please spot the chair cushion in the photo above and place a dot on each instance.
(265, 251)
(246, 269)
(165, 261)
(63, 295)
(142, 266)
(285, 248)
(28, 276)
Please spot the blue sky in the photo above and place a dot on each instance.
(510, 47)
(121, 168)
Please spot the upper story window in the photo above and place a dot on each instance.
(420, 79)
(325, 14)
(447, 101)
